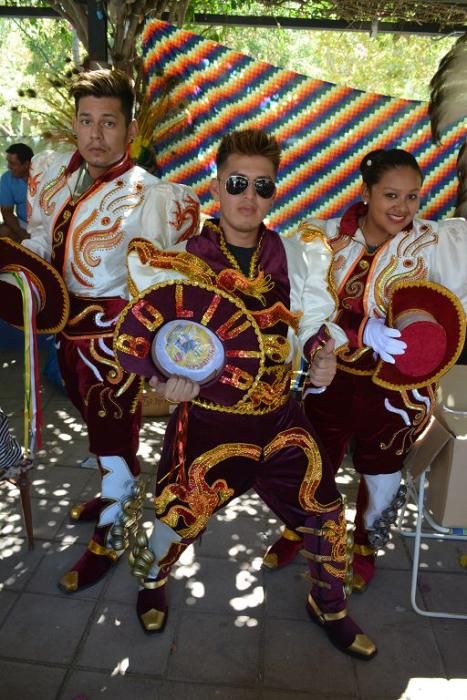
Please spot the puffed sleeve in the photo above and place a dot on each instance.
(449, 267)
(171, 214)
(309, 260)
(40, 241)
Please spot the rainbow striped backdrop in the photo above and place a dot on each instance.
(324, 129)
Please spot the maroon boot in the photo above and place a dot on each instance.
(87, 511)
(284, 550)
(151, 604)
(328, 555)
(364, 556)
(93, 565)
(119, 492)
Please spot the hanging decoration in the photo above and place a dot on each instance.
(324, 129)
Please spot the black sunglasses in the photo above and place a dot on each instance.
(264, 186)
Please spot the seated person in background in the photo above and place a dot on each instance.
(13, 191)
(11, 454)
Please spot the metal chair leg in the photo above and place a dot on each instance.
(418, 535)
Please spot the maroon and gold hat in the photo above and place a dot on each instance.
(193, 330)
(431, 320)
(54, 304)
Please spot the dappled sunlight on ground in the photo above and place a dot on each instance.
(234, 629)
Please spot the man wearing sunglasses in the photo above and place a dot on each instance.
(264, 441)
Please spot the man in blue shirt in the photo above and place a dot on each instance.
(13, 191)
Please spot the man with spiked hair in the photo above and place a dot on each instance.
(86, 208)
(241, 297)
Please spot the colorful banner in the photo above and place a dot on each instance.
(324, 129)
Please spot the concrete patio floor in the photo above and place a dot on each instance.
(234, 632)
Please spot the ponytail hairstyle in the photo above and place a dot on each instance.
(376, 163)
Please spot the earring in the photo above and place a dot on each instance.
(365, 202)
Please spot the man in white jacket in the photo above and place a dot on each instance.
(85, 209)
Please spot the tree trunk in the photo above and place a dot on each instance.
(125, 24)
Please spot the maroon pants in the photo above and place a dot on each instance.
(277, 455)
(382, 423)
(92, 381)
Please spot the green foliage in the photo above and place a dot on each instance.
(35, 59)
(35, 56)
(397, 65)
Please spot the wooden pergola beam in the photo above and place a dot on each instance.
(429, 29)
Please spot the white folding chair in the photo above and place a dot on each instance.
(439, 460)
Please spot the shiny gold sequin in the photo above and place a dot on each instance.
(387, 278)
(309, 233)
(135, 346)
(187, 264)
(271, 394)
(298, 437)
(91, 309)
(276, 314)
(115, 373)
(147, 314)
(210, 311)
(50, 190)
(179, 310)
(229, 330)
(231, 280)
(336, 534)
(277, 347)
(198, 500)
(236, 377)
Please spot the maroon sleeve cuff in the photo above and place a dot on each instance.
(353, 325)
(316, 342)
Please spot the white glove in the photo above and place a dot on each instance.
(383, 340)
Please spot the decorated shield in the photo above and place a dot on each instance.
(196, 331)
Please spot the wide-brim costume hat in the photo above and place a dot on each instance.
(53, 303)
(193, 330)
(431, 320)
